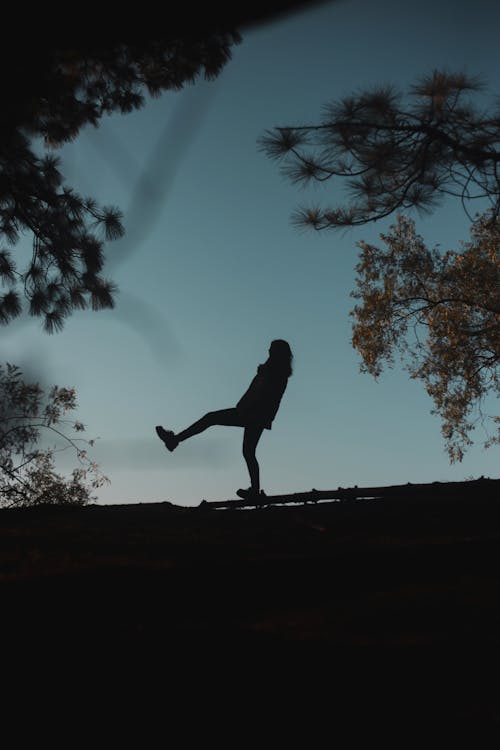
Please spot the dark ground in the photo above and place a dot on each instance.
(405, 589)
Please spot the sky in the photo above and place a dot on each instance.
(211, 270)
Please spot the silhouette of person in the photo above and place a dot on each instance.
(255, 411)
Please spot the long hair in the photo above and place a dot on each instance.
(281, 357)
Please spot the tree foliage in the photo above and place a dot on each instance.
(27, 472)
(395, 152)
(441, 311)
(50, 96)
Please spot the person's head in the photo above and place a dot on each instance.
(281, 355)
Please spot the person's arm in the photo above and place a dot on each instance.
(254, 392)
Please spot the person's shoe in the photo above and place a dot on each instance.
(245, 493)
(250, 494)
(168, 438)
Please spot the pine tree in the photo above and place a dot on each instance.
(50, 93)
(395, 153)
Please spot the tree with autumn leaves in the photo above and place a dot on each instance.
(32, 417)
(439, 310)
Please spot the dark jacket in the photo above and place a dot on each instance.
(262, 399)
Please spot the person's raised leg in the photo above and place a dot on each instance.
(226, 417)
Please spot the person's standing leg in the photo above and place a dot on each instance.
(251, 437)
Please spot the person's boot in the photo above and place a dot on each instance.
(168, 437)
(251, 494)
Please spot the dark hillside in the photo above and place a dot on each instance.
(403, 574)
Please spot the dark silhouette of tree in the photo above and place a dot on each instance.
(441, 311)
(395, 153)
(50, 101)
(62, 76)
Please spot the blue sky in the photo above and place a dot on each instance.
(211, 270)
